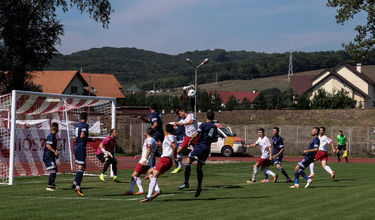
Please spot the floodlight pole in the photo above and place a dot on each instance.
(205, 61)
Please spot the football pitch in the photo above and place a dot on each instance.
(226, 195)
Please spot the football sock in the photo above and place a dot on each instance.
(114, 167)
(132, 183)
(105, 167)
(79, 177)
(199, 176)
(187, 172)
(328, 169)
(312, 168)
(52, 177)
(283, 172)
(157, 189)
(255, 171)
(338, 157)
(302, 173)
(346, 158)
(265, 176)
(179, 157)
(268, 172)
(139, 184)
(151, 187)
(296, 178)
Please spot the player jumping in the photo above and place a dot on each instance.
(309, 158)
(278, 150)
(81, 133)
(265, 160)
(191, 126)
(105, 154)
(163, 165)
(322, 153)
(49, 156)
(207, 133)
(144, 164)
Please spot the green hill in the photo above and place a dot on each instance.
(141, 67)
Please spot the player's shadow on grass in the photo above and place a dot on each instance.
(224, 187)
(83, 188)
(345, 180)
(213, 199)
(328, 186)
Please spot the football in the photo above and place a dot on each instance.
(191, 93)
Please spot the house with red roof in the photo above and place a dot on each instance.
(240, 96)
(358, 81)
(77, 83)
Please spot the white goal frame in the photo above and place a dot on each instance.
(13, 117)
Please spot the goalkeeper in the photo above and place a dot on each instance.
(49, 156)
(105, 154)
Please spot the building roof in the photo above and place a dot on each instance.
(301, 83)
(225, 95)
(106, 85)
(334, 73)
(55, 81)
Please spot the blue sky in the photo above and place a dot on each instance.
(176, 26)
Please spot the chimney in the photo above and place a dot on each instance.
(359, 67)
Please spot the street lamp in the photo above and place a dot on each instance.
(205, 61)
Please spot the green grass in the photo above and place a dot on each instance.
(225, 196)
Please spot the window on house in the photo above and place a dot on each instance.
(73, 90)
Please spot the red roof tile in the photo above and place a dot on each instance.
(225, 95)
(106, 85)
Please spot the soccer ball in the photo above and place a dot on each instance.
(191, 93)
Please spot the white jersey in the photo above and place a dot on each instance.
(324, 142)
(192, 128)
(264, 144)
(167, 146)
(148, 143)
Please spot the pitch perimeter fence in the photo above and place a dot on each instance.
(361, 140)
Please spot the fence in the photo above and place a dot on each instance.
(361, 140)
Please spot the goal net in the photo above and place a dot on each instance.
(25, 119)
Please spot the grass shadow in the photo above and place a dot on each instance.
(212, 199)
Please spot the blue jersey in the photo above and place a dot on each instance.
(180, 131)
(278, 144)
(52, 141)
(81, 127)
(314, 143)
(158, 131)
(207, 132)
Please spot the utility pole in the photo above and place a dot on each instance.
(290, 70)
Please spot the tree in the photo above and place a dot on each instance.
(363, 45)
(231, 104)
(29, 32)
(303, 102)
(216, 102)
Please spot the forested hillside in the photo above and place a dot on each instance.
(141, 67)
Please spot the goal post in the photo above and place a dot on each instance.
(25, 119)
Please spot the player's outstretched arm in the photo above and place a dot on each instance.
(195, 135)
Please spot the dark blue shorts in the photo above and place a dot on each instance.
(277, 160)
(305, 162)
(200, 154)
(50, 163)
(158, 136)
(80, 154)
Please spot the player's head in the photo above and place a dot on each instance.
(153, 107)
(315, 131)
(261, 132)
(54, 128)
(341, 133)
(169, 128)
(148, 132)
(177, 110)
(275, 131)
(113, 132)
(182, 112)
(322, 131)
(83, 116)
(210, 115)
